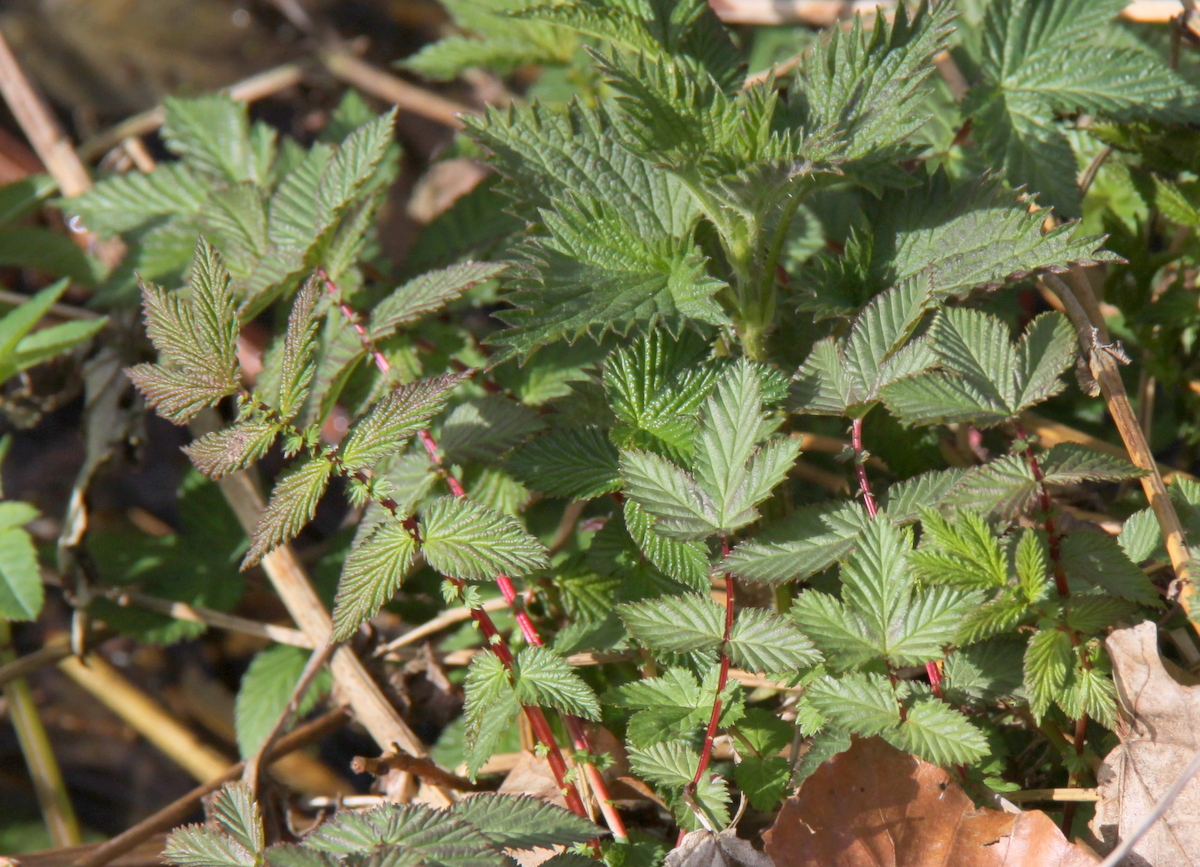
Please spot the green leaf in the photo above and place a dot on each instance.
(46, 343)
(802, 544)
(298, 366)
(684, 561)
(669, 764)
(676, 624)
(292, 209)
(905, 501)
(523, 822)
(125, 202)
(385, 430)
(963, 553)
(1047, 660)
(1092, 692)
(292, 505)
(484, 428)
(1071, 463)
(763, 780)
(233, 448)
(236, 813)
(352, 166)
(596, 273)
(937, 733)
(862, 703)
(426, 294)
(371, 575)
(19, 198)
(682, 508)
(490, 711)
(545, 679)
(668, 706)
(1043, 353)
(766, 733)
(1097, 558)
(21, 592)
(198, 846)
(462, 539)
(213, 134)
(1141, 537)
(577, 463)
(266, 687)
(765, 642)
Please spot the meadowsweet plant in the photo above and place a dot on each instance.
(624, 439)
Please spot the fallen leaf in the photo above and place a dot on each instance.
(874, 806)
(1160, 733)
(706, 849)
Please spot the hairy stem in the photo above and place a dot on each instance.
(537, 719)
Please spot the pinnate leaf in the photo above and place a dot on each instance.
(545, 679)
(371, 575)
(292, 505)
(463, 539)
(233, 448)
(393, 419)
(676, 624)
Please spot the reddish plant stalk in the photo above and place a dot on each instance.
(1053, 539)
(722, 678)
(537, 718)
(860, 467)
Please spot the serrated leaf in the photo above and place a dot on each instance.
(904, 501)
(804, 543)
(125, 202)
(371, 575)
(490, 711)
(669, 764)
(545, 679)
(213, 134)
(937, 733)
(1071, 463)
(963, 553)
(686, 561)
(1001, 488)
(198, 846)
(595, 273)
(862, 703)
(667, 706)
(523, 822)
(394, 418)
(1097, 558)
(676, 624)
(1091, 692)
(682, 509)
(483, 428)
(1044, 351)
(265, 690)
(236, 813)
(176, 395)
(351, 167)
(1141, 537)
(233, 448)
(763, 780)
(1033, 567)
(765, 642)
(425, 294)
(578, 463)
(1048, 658)
(292, 505)
(462, 539)
(297, 366)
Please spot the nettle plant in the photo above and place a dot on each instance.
(632, 451)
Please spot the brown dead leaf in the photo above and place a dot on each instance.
(706, 849)
(874, 806)
(1160, 734)
(531, 775)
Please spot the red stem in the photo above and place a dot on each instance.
(1054, 540)
(722, 678)
(860, 468)
(537, 718)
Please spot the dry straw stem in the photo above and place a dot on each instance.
(288, 577)
(209, 617)
(180, 809)
(1062, 795)
(1103, 366)
(822, 13)
(56, 647)
(387, 87)
(146, 716)
(48, 784)
(447, 618)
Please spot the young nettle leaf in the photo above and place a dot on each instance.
(881, 614)
(733, 473)
(1028, 82)
(984, 379)
(846, 376)
(463, 539)
(859, 702)
(939, 733)
(386, 429)
(904, 502)
(233, 838)
(21, 592)
(292, 505)
(372, 574)
(196, 335)
(400, 833)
